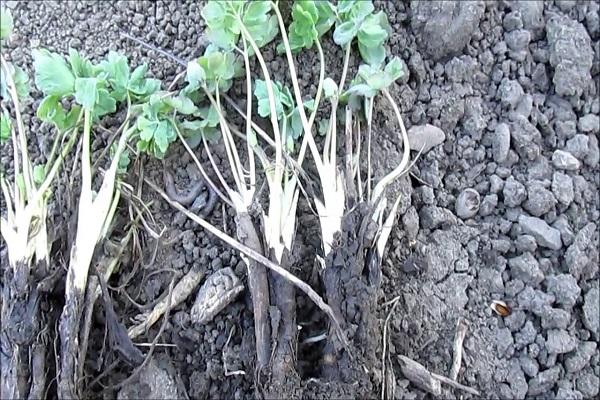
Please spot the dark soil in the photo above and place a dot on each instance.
(514, 88)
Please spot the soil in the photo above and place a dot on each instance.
(514, 89)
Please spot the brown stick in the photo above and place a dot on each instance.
(457, 347)
(429, 381)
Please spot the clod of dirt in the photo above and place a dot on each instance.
(157, 380)
(219, 290)
(425, 137)
(445, 26)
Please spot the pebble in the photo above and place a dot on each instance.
(566, 233)
(588, 384)
(559, 341)
(467, 203)
(496, 184)
(564, 288)
(526, 268)
(568, 394)
(509, 92)
(555, 318)
(433, 217)
(525, 336)
(501, 142)
(425, 137)
(514, 192)
(578, 146)
(529, 365)
(526, 243)
(534, 300)
(576, 255)
(488, 204)
(562, 187)
(505, 342)
(591, 313)
(589, 123)
(564, 160)
(539, 199)
(544, 381)
(580, 358)
(544, 234)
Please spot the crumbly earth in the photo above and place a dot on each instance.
(513, 86)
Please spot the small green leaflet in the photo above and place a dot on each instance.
(4, 127)
(20, 79)
(86, 92)
(281, 94)
(6, 23)
(39, 174)
(52, 74)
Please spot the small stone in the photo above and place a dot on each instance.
(591, 313)
(514, 192)
(544, 234)
(565, 129)
(496, 184)
(534, 300)
(563, 226)
(505, 342)
(526, 268)
(525, 138)
(559, 341)
(578, 146)
(555, 318)
(425, 137)
(589, 123)
(491, 279)
(501, 142)
(509, 92)
(588, 384)
(410, 219)
(526, 243)
(562, 187)
(539, 199)
(433, 217)
(564, 288)
(488, 204)
(565, 160)
(525, 336)
(580, 358)
(544, 381)
(467, 203)
(139, 20)
(529, 365)
(515, 320)
(576, 256)
(568, 394)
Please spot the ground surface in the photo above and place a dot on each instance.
(511, 86)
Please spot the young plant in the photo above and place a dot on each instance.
(25, 231)
(97, 89)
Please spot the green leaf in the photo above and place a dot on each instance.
(86, 92)
(117, 69)
(52, 74)
(326, 12)
(106, 104)
(39, 174)
(20, 80)
(374, 55)
(71, 117)
(6, 23)
(344, 6)
(182, 104)
(394, 69)
(81, 66)
(50, 110)
(330, 88)
(195, 74)
(5, 127)
(260, 92)
(146, 128)
(345, 32)
(209, 115)
(371, 33)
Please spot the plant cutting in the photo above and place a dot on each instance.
(24, 228)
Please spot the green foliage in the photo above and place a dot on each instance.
(6, 23)
(204, 126)
(356, 19)
(215, 69)
(223, 19)
(20, 79)
(311, 20)
(5, 127)
(50, 110)
(124, 159)
(52, 74)
(371, 79)
(39, 174)
(287, 112)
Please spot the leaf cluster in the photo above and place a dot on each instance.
(310, 20)
(357, 20)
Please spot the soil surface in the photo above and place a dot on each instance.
(502, 205)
